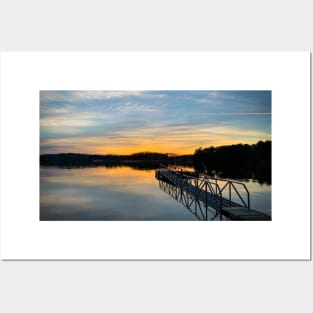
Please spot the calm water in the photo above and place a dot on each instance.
(119, 193)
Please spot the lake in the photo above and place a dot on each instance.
(119, 194)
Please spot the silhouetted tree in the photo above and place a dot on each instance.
(236, 161)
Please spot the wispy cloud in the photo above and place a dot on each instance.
(74, 95)
(177, 139)
(165, 121)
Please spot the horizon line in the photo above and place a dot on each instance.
(151, 152)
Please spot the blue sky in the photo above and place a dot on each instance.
(122, 122)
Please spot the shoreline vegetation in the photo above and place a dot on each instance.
(142, 160)
(241, 161)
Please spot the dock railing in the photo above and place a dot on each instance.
(201, 184)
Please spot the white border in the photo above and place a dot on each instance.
(23, 236)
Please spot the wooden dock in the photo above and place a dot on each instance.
(244, 214)
(214, 193)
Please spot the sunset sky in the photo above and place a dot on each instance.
(123, 122)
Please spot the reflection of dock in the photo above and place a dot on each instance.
(200, 193)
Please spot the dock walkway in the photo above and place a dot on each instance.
(212, 193)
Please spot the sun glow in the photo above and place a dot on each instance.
(126, 122)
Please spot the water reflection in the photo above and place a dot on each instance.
(102, 193)
(117, 193)
(259, 175)
(201, 211)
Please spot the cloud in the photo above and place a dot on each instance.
(164, 121)
(213, 93)
(174, 139)
(78, 95)
(65, 123)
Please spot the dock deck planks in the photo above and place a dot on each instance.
(230, 209)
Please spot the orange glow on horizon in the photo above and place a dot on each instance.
(169, 143)
(171, 148)
(162, 121)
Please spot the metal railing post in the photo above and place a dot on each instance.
(248, 200)
(215, 186)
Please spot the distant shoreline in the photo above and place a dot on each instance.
(141, 160)
(233, 161)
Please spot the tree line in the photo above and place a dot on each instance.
(233, 161)
(236, 161)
